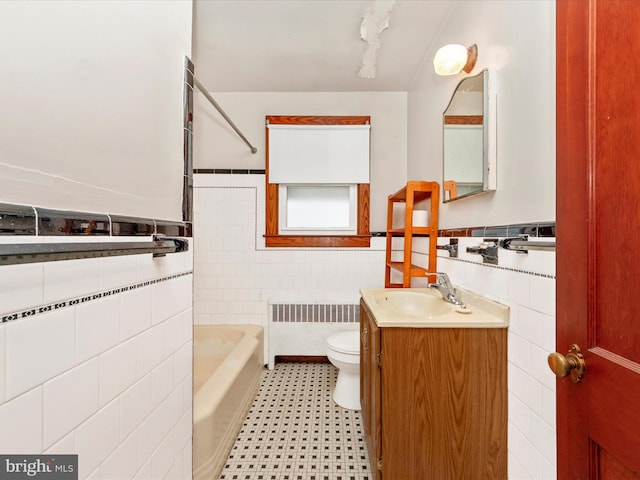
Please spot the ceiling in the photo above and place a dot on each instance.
(312, 45)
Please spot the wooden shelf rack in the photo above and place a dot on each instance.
(414, 192)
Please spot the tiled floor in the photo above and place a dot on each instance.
(294, 430)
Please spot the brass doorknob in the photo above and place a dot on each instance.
(572, 364)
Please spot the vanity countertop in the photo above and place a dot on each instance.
(425, 308)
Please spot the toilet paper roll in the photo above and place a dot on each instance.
(420, 218)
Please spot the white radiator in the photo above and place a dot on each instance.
(303, 328)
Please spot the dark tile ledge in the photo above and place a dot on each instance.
(537, 229)
(28, 220)
(229, 171)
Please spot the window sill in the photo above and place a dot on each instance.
(349, 241)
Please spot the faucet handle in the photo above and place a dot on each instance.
(488, 249)
(444, 286)
(441, 279)
(451, 247)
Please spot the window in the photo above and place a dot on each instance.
(317, 209)
(317, 182)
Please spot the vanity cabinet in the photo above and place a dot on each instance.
(370, 384)
(434, 401)
(414, 192)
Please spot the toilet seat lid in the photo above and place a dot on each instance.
(344, 342)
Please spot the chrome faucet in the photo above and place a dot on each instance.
(444, 286)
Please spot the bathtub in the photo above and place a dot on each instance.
(227, 363)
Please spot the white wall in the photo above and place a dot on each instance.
(91, 114)
(216, 145)
(100, 365)
(516, 41)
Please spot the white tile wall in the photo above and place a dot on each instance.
(183, 363)
(135, 405)
(235, 276)
(65, 445)
(70, 279)
(21, 420)
(149, 435)
(117, 370)
(116, 271)
(144, 473)
(69, 399)
(135, 312)
(122, 462)
(170, 298)
(97, 327)
(38, 349)
(161, 382)
(149, 352)
(21, 286)
(97, 438)
(108, 379)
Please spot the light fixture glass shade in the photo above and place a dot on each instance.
(450, 59)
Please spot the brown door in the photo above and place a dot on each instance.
(598, 227)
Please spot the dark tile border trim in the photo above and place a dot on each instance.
(57, 222)
(537, 229)
(131, 226)
(72, 302)
(175, 229)
(17, 220)
(29, 220)
(229, 171)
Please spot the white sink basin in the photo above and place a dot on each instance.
(408, 302)
(425, 308)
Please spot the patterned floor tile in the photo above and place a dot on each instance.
(294, 430)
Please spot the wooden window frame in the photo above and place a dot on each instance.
(272, 236)
(463, 120)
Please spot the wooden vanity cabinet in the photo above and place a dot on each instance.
(434, 401)
(370, 384)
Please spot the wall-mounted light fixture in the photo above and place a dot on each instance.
(452, 59)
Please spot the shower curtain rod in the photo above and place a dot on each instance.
(197, 83)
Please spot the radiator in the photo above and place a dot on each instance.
(303, 328)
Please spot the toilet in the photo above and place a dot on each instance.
(343, 351)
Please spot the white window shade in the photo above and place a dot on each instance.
(318, 154)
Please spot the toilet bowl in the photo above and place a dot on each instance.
(343, 351)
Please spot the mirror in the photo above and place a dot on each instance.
(468, 152)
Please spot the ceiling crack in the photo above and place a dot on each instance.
(375, 20)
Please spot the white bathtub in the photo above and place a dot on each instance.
(227, 363)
